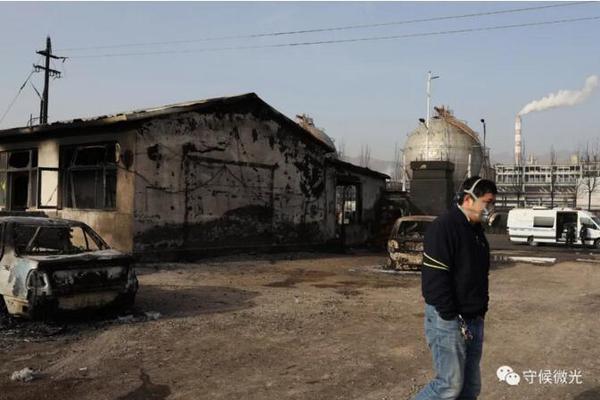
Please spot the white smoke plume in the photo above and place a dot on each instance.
(563, 98)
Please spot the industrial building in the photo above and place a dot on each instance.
(541, 185)
(199, 177)
(438, 156)
(446, 138)
(558, 185)
(527, 183)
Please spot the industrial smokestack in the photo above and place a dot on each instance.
(518, 140)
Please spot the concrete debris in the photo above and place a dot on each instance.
(588, 260)
(383, 269)
(24, 375)
(152, 315)
(530, 260)
(125, 319)
(146, 316)
(533, 260)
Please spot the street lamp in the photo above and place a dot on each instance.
(483, 122)
(429, 79)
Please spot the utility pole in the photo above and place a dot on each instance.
(47, 73)
(428, 120)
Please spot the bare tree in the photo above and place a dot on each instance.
(365, 156)
(590, 172)
(397, 171)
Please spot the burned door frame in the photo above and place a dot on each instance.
(189, 160)
(346, 181)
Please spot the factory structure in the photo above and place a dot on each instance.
(527, 182)
(443, 151)
(439, 154)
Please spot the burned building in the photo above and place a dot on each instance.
(203, 176)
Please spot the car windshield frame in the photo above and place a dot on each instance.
(418, 227)
(93, 242)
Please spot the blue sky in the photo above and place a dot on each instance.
(364, 93)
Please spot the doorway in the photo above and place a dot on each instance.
(19, 190)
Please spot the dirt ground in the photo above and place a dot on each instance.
(306, 326)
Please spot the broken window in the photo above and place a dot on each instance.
(18, 179)
(347, 203)
(90, 176)
(45, 240)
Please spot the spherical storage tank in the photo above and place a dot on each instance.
(449, 140)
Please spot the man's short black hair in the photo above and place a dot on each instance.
(483, 187)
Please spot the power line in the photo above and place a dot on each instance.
(332, 29)
(354, 40)
(16, 96)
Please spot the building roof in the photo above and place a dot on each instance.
(445, 114)
(248, 102)
(358, 169)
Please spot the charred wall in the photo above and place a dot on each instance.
(227, 180)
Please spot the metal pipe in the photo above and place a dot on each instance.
(428, 119)
(403, 172)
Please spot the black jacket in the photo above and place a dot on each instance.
(456, 263)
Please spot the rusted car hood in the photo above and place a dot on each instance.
(94, 258)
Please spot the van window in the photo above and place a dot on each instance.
(587, 222)
(543, 222)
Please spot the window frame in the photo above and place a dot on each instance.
(31, 170)
(66, 167)
(39, 188)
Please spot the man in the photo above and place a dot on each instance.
(454, 281)
(570, 234)
(583, 235)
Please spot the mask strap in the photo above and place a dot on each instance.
(470, 191)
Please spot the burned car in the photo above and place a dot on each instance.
(405, 245)
(47, 265)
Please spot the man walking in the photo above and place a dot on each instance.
(454, 283)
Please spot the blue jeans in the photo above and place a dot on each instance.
(456, 362)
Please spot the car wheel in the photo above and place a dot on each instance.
(597, 244)
(126, 300)
(531, 241)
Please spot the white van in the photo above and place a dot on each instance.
(543, 225)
